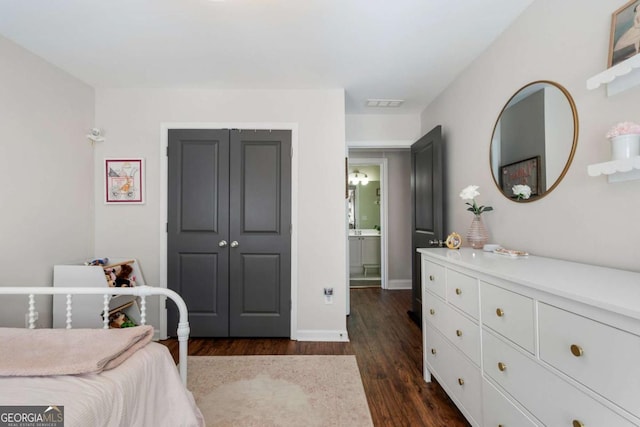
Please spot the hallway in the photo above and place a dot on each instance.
(388, 348)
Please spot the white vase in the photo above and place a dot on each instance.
(625, 147)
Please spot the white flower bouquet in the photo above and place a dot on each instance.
(470, 193)
(521, 191)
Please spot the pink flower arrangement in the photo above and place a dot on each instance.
(624, 128)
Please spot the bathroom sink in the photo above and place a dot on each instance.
(364, 232)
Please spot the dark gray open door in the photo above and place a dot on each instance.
(427, 206)
(198, 224)
(260, 232)
(229, 231)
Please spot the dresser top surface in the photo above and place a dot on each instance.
(606, 288)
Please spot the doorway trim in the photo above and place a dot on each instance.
(164, 182)
(383, 164)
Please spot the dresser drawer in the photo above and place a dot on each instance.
(549, 398)
(436, 352)
(509, 314)
(606, 359)
(434, 278)
(459, 377)
(499, 411)
(459, 330)
(462, 292)
(434, 311)
(463, 333)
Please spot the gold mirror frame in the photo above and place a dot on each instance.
(574, 113)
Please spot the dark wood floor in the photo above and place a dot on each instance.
(388, 348)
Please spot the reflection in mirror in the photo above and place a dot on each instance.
(534, 140)
(364, 198)
(352, 207)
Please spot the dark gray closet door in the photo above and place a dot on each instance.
(229, 236)
(260, 234)
(427, 203)
(198, 226)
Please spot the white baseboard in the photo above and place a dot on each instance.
(311, 335)
(399, 284)
(316, 335)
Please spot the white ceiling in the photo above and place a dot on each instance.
(400, 49)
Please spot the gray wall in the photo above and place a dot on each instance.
(46, 167)
(134, 117)
(584, 217)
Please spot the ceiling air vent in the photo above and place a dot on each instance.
(384, 103)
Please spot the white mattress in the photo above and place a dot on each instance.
(145, 390)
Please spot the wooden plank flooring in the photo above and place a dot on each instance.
(388, 348)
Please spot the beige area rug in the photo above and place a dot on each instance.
(279, 390)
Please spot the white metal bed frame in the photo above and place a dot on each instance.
(107, 293)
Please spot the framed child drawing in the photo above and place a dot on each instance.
(124, 182)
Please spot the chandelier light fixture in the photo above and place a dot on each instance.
(356, 177)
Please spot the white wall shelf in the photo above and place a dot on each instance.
(617, 170)
(618, 78)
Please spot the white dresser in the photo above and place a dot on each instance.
(533, 341)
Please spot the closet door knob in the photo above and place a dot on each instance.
(499, 312)
(502, 366)
(432, 278)
(459, 332)
(433, 351)
(222, 243)
(577, 423)
(432, 311)
(235, 244)
(458, 291)
(460, 381)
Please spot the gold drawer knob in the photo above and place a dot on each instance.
(432, 312)
(433, 351)
(458, 291)
(458, 332)
(499, 312)
(502, 366)
(431, 277)
(577, 351)
(577, 423)
(460, 381)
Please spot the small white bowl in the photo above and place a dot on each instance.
(490, 247)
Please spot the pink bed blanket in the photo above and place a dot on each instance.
(44, 352)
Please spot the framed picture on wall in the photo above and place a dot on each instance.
(625, 33)
(524, 172)
(123, 181)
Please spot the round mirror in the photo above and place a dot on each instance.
(533, 141)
